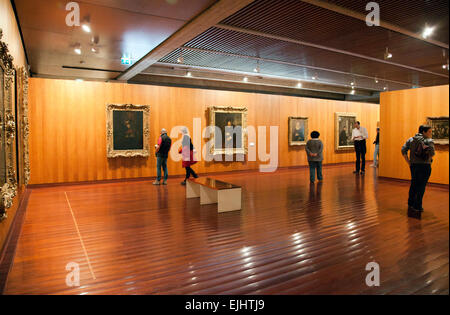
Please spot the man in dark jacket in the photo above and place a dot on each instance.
(421, 149)
(162, 153)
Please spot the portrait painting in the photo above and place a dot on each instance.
(231, 123)
(298, 130)
(344, 124)
(128, 130)
(440, 129)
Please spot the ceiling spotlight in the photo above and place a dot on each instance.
(387, 54)
(352, 83)
(189, 74)
(385, 88)
(180, 59)
(446, 67)
(77, 49)
(353, 87)
(86, 27)
(427, 31)
(79, 80)
(94, 50)
(299, 84)
(352, 92)
(257, 69)
(245, 79)
(314, 77)
(376, 80)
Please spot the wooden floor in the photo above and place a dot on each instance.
(290, 238)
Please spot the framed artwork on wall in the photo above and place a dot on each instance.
(231, 123)
(440, 129)
(127, 130)
(8, 179)
(344, 123)
(298, 130)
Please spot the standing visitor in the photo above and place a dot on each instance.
(376, 153)
(421, 149)
(162, 153)
(187, 153)
(314, 151)
(359, 136)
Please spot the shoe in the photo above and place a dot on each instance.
(414, 213)
(363, 172)
(164, 182)
(183, 183)
(156, 183)
(195, 176)
(356, 172)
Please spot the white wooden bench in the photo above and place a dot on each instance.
(226, 195)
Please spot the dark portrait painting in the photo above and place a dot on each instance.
(298, 130)
(344, 126)
(440, 129)
(230, 125)
(128, 130)
(2, 133)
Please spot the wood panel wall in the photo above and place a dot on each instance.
(68, 118)
(402, 112)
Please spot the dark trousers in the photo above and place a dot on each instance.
(420, 173)
(313, 166)
(161, 162)
(360, 149)
(189, 172)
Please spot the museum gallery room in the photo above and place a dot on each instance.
(224, 147)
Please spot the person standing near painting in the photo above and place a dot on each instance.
(162, 153)
(376, 153)
(421, 149)
(359, 136)
(314, 150)
(187, 153)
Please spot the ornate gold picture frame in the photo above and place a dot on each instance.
(298, 130)
(344, 123)
(23, 125)
(440, 129)
(232, 123)
(127, 130)
(8, 183)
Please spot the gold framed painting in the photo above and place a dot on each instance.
(440, 129)
(230, 133)
(127, 130)
(298, 130)
(344, 123)
(8, 179)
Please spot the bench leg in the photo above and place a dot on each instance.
(230, 200)
(192, 190)
(207, 196)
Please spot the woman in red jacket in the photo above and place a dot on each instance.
(187, 153)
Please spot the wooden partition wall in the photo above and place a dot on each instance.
(68, 126)
(402, 112)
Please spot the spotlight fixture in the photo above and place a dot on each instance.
(385, 88)
(314, 77)
(352, 92)
(245, 79)
(181, 58)
(95, 50)
(352, 83)
(376, 80)
(387, 54)
(79, 80)
(427, 31)
(445, 67)
(86, 25)
(77, 49)
(299, 84)
(189, 74)
(353, 87)
(257, 68)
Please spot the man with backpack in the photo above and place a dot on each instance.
(421, 149)
(162, 153)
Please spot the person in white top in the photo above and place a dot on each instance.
(359, 136)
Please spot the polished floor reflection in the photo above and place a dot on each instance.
(290, 238)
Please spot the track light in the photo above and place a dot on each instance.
(77, 49)
(314, 77)
(245, 79)
(299, 84)
(86, 27)
(376, 80)
(95, 50)
(387, 54)
(352, 92)
(257, 68)
(427, 31)
(445, 67)
(189, 74)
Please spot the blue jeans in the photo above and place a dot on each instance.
(312, 171)
(161, 162)
(375, 154)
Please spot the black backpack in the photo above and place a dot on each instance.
(422, 150)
